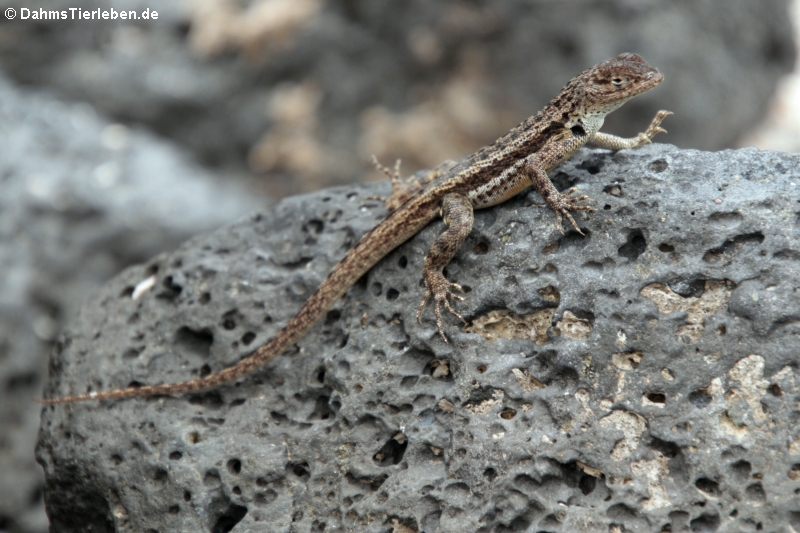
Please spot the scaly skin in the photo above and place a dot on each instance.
(495, 173)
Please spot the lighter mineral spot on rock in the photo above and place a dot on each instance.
(503, 324)
(485, 406)
(715, 296)
(526, 381)
(446, 406)
(653, 471)
(573, 327)
(749, 372)
(632, 427)
(627, 360)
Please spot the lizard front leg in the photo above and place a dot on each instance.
(457, 215)
(547, 158)
(612, 142)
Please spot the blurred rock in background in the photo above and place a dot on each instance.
(299, 93)
(81, 198)
(303, 91)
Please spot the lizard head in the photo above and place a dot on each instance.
(612, 83)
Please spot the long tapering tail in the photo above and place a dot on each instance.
(394, 230)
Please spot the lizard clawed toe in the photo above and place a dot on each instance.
(442, 291)
(564, 203)
(654, 128)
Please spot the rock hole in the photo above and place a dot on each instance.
(606, 207)
(228, 520)
(481, 248)
(376, 289)
(587, 484)
(174, 509)
(658, 166)
(300, 470)
(321, 374)
(508, 413)
(238, 401)
(322, 408)
(176, 456)
(234, 466)
(613, 190)
(343, 342)
(316, 226)
(171, 289)
(116, 459)
(666, 248)
(204, 298)
(706, 523)
(592, 166)
(161, 475)
(730, 246)
(127, 292)
(708, 486)
(332, 316)
(131, 353)
(775, 390)
(193, 437)
(755, 493)
(392, 294)
(409, 381)
(634, 247)
(237, 490)
(402, 262)
(248, 337)
(205, 370)
(210, 399)
(741, 470)
(700, 398)
(490, 474)
(392, 452)
(481, 369)
(657, 397)
(196, 342)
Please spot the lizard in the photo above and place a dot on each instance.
(514, 162)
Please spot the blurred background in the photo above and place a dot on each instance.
(119, 139)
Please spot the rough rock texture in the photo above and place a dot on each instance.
(80, 199)
(311, 88)
(643, 377)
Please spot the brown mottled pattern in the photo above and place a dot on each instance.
(517, 160)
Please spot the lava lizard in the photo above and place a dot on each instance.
(519, 159)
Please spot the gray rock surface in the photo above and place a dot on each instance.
(641, 378)
(313, 96)
(80, 199)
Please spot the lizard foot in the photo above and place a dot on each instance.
(652, 130)
(563, 203)
(442, 291)
(403, 189)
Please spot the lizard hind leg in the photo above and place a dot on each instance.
(402, 189)
(457, 215)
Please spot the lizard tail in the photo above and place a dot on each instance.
(369, 250)
(260, 357)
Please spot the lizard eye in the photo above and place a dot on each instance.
(616, 82)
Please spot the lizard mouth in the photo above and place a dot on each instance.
(654, 77)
